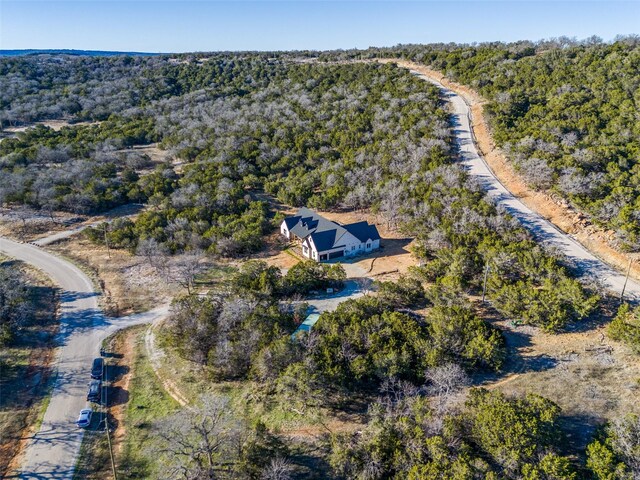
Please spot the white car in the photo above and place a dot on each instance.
(84, 419)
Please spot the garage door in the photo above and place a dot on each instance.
(337, 254)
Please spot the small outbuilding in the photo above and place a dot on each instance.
(307, 325)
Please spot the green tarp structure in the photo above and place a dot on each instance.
(305, 326)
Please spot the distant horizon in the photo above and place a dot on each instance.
(188, 26)
(27, 51)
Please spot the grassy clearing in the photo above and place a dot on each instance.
(94, 462)
(215, 275)
(148, 403)
(25, 364)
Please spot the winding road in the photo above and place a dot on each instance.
(53, 451)
(584, 262)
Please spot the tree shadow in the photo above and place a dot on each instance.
(116, 396)
(309, 461)
(537, 363)
(48, 471)
(393, 246)
(111, 354)
(578, 430)
(115, 372)
(350, 403)
(134, 466)
(517, 344)
(598, 319)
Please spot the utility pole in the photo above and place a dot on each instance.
(106, 238)
(624, 287)
(484, 283)
(105, 409)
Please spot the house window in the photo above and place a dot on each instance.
(305, 250)
(353, 247)
(368, 245)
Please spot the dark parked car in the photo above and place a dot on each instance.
(95, 389)
(97, 369)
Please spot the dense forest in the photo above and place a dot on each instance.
(349, 136)
(244, 131)
(564, 112)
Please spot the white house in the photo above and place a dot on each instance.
(322, 239)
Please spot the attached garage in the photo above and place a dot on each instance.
(338, 254)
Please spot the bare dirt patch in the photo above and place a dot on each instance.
(53, 124)
(123, 343)
(152, 150)
(599, 241)
(591, 377)
(129, 284)
(279, 252)
(156, 155)
(393, 259)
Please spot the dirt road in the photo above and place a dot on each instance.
(588, 265)
(52, 452)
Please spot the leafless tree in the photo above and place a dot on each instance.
(23, 214)
(392, 197)
(446, 381)
(16, 306)
(279, 469)
(537, 172)
(155, 254)
(200, 443)
(625, 434)
(183, 269)
(572, 181)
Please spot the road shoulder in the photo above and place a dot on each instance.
(552, 208)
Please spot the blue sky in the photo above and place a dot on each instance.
(203, 25)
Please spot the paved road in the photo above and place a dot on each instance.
(329, 302)
(53, 451)
(544, 231)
